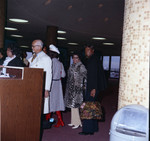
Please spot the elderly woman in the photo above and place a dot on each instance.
(74, 89)
(12, 59)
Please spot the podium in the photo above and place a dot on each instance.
(21, 103)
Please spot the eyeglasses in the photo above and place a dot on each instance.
(35, 45)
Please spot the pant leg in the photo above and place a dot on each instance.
(76, 117)
(90, 126)
(71, 115)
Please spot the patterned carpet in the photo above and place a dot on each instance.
(109, 100)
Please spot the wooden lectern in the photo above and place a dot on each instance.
(21, 100)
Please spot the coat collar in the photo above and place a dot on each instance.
(77, 64)
(40, 54)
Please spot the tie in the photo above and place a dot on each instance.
(34, 56)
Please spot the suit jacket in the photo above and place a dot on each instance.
(17, 62)
(43, 61)
(1, 61)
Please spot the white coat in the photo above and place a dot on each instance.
(43, 61)
(56, 94)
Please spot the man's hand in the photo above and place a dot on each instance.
(93, 93)
(46, 93)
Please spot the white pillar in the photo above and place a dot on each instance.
(134, 73)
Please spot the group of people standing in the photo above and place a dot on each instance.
(53, 97)
(84, 83)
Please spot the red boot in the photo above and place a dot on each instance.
(48, 116)
(60, 121)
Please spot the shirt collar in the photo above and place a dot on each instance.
(39, 53)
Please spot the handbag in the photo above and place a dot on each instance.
(46, 105)
(90, 110)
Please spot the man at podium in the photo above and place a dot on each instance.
(42, 60)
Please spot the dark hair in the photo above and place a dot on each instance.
(12, 49)
(24, 54)
(15, 51)
(45, 47)
(53, 54)
(76, 53)
(89, 46)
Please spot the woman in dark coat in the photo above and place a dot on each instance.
(12, 59)
(95, 83)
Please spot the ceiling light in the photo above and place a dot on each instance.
(19, 36)
(61, 32)
(10, 28)
(18, 20)
(69, 7)
(110, 44)
(47, 2)
(100, 5)
(73, 44)
(24, 46)
(61, 38)
(106, 19)
(80, 19)
(98, 38)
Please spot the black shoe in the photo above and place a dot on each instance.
(47, 124)
(83, 133)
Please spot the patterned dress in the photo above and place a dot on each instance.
(74, 88)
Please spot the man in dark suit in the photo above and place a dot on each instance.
(95, 83)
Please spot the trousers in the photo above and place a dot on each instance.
(75, 117)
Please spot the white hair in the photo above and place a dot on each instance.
(39, 42)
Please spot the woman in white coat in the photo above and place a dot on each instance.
(56, 93)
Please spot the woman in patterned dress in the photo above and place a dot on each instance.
(74, 89)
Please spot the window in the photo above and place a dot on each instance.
(106, 62)
(115, 65)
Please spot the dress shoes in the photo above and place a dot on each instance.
(75, 127)
(47, 125)
(70, 124)
(83, 133)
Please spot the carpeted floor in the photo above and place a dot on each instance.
(109, 100)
